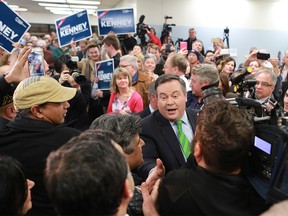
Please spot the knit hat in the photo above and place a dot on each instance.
(195, 52)
(37, 90)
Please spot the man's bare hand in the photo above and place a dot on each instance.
(149, 200)
(158, 172)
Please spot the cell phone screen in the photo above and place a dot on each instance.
(183, 44)
(36, 62)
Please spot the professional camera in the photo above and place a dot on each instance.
(167, 28)
(73, 69)
(226, 37)
(141, 29)
(267, 163)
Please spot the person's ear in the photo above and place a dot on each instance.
(197, 150)
(10, 111)
(128, 190)
(36, 111)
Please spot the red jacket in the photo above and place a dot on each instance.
(154, 39)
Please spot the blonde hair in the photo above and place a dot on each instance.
(117, 73)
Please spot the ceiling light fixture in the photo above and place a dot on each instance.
(83, 2)
(52, 1)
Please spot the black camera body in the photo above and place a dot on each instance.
(73, 69)
(267, 163)
(263, 56)
(141, 30)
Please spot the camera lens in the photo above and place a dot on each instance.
(80, 79)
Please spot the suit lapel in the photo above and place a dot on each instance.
(170, 137)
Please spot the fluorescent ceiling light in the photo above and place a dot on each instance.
(71, 2)
(72, 7)
(53, 5)
(84, 6)
(68, 6)
(56, 1)
(64, 9)
(70, 12)
(13, 6)
(19, 9)
(83, 2)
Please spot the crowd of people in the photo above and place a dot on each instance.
(155, 143)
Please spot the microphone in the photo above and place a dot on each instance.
(238, 76)
(141, 19)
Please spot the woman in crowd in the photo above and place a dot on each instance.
(15, 188)
(140, 61)
(227, 66)
(150, 62)
(124, 98)
(224, 84)
(153, 37)
(255, 66)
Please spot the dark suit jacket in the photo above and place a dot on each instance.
(144, 113)
(162, 142)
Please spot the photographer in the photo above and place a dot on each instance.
(77, 115)
(265, 84)
(153, 37)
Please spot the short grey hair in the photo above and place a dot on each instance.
(150, 55)
(270, 72)
(130, 59)
(124, 126)
(206, 72)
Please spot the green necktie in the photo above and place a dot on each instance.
(183, 139)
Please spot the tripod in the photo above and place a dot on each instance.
(226, 37)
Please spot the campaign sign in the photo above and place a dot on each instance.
(120, 21)
(12, 27)
(104, 71)
(76, 27)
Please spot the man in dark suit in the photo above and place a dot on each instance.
(160, 130)
(152, 102)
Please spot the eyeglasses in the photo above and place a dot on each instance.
(265, 84)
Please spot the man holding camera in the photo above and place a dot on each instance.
(265, 84)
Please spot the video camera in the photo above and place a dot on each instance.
(73, 69)
(267, 163)
(141, 29)
(167, 28)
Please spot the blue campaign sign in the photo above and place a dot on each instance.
(12, 27)
(76, 27)
(120, 21)
(104, 71)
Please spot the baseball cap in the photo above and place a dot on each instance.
(40, 89)
(195, 52)
(6, 95)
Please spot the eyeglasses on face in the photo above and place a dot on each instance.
(265, 84)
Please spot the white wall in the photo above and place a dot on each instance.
(260, 23)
